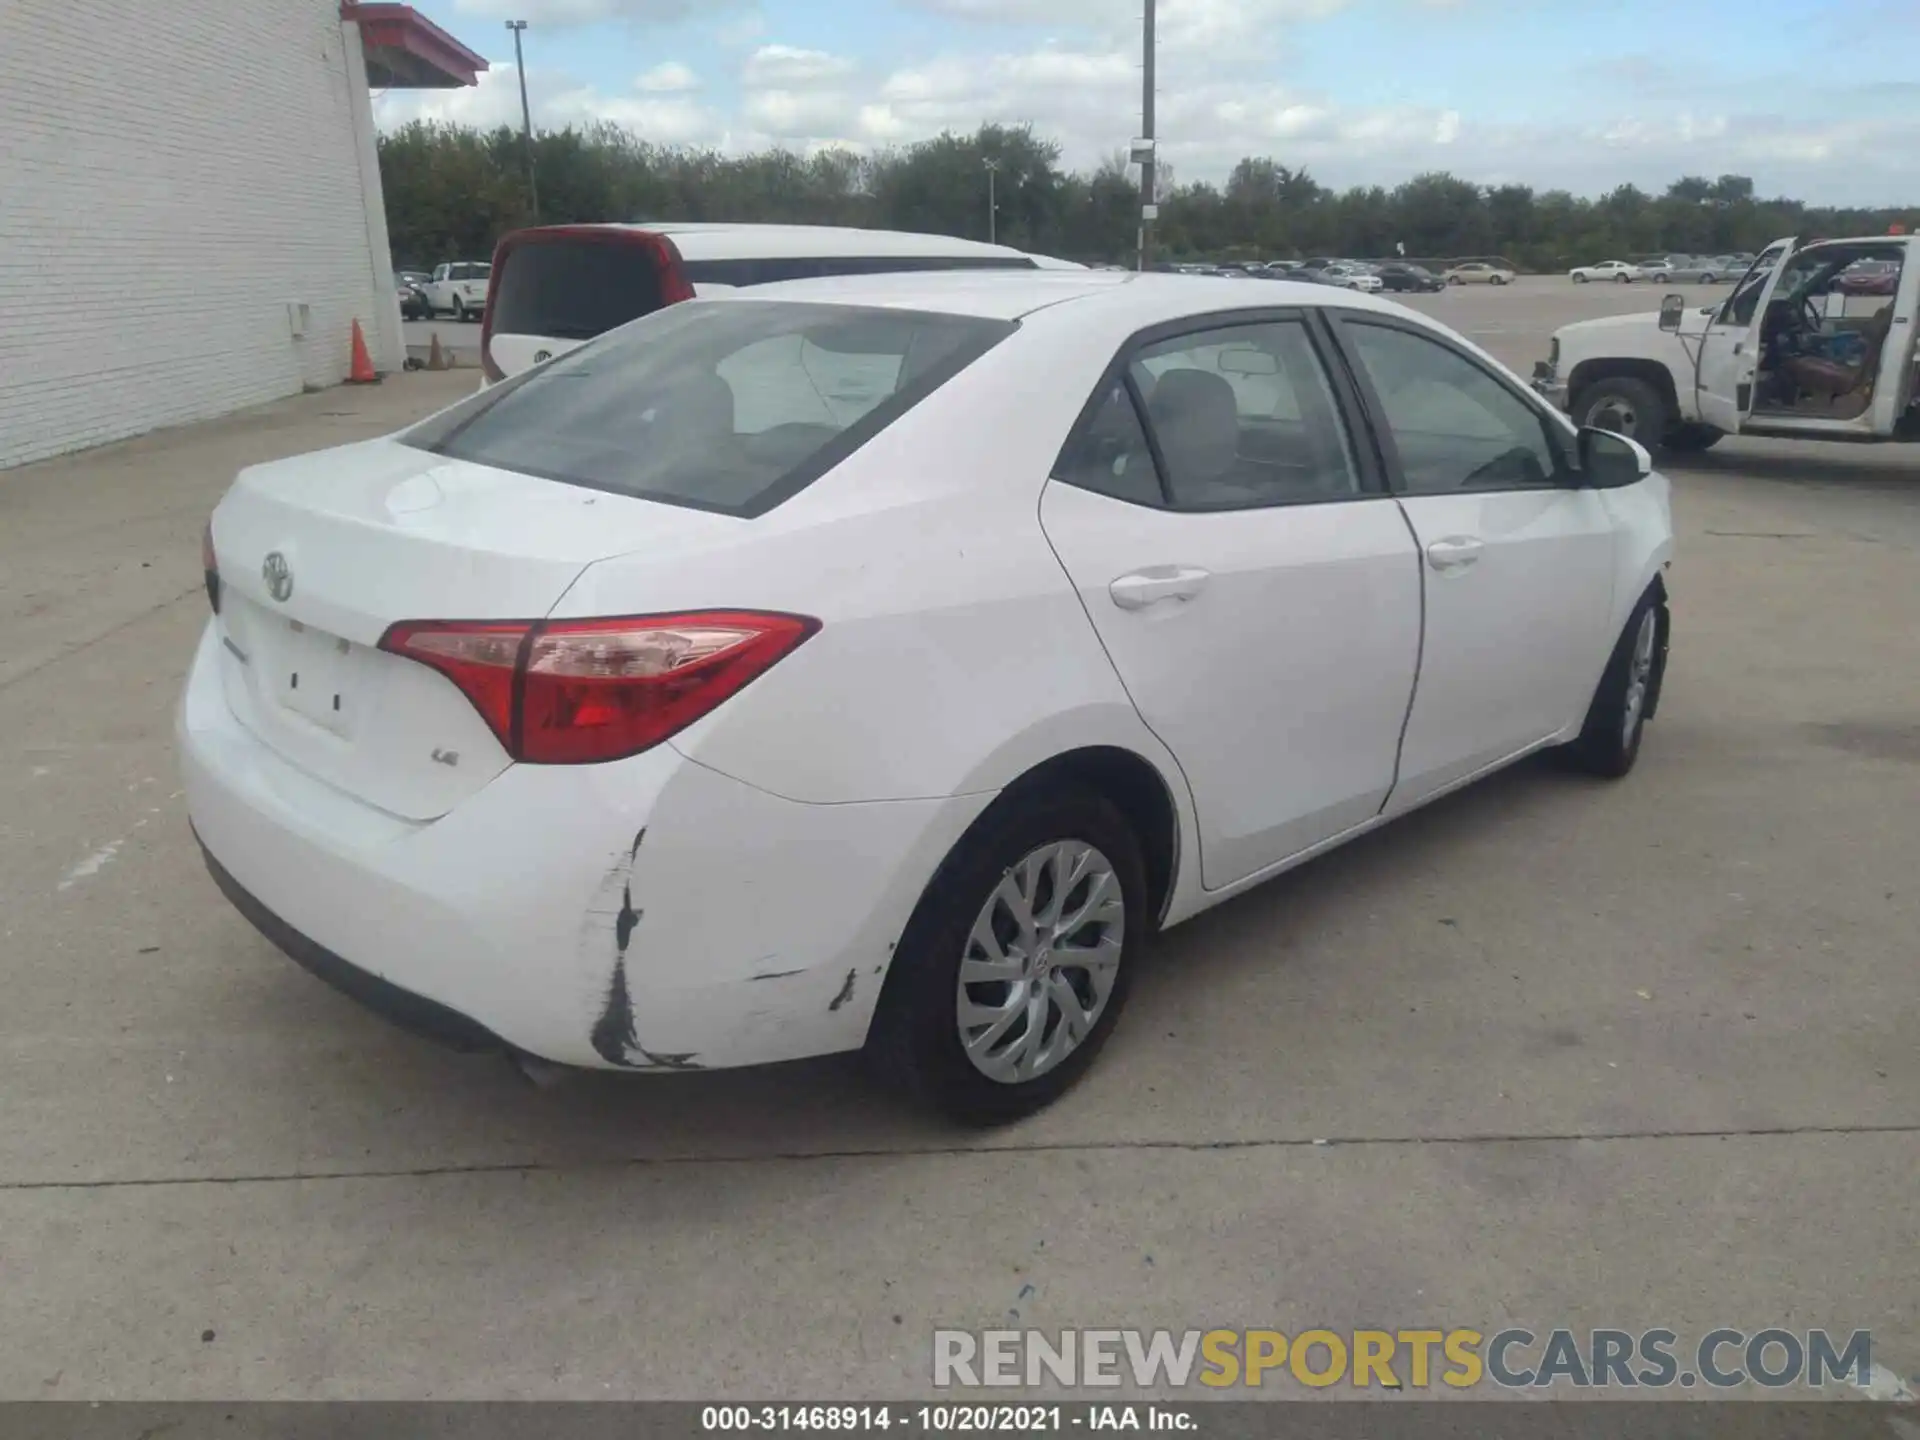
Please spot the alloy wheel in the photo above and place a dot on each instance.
(1639, 676)
(1040, 961)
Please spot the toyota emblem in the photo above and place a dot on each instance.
(540, 357)
(279, 577)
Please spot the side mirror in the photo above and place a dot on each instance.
(1609, 460)
(1671, 309)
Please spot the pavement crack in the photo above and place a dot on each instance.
(1058, 1147)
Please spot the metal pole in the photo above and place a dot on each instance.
(1147, 194)
(993, 208)
(526, 118)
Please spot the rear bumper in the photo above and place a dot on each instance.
(413, 1013)
(652, 913)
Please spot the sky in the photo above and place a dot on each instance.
(1818, 100)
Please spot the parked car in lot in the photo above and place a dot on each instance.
(459, 289)
(628, 714)
(559, 286)
(1397, 276)
(1782, 355)
(1478, 272)
(1351, 275)
(413, 301)
(1622, 272)
(1868, 277)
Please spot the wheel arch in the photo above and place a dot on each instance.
(1588, 373)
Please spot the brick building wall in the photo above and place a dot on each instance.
(173, 178)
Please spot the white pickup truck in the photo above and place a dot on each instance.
(458, 288)
(1816, 342)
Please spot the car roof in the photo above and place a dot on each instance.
(716, 240)
(1141, 298)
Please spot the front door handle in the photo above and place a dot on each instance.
(1142, 588)
(1456, 552)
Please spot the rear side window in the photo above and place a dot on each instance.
(731, 406)
(574, 289)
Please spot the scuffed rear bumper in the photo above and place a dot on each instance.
(651, 913)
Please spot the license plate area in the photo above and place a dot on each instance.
(314, 675)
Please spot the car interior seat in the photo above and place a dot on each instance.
(1843, 391)
(1198, 424)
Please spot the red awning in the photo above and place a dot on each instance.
(407, 51)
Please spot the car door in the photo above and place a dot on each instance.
(1518, 560)
(1729, 356)
(1257, 589)
(1897, 355)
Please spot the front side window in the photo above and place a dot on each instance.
(721, 405)
(1455, 426)
(1244, 416)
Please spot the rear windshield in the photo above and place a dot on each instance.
(573, 289)
(731, 406)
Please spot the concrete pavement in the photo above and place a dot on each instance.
(1549, 1053)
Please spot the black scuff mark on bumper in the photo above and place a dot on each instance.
(846, 993)
(772, 975)
(615, 1035)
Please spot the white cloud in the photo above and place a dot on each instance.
(561, 13)
(667, 79)
(799, 113)
(787, 67)
(557, 101)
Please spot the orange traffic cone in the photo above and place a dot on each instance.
(436, 357)
(361, 372)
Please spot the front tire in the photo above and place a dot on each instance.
(1629, 690)
(1626, 405)
(1018, 960)
(1580, 279)
(1496, 280)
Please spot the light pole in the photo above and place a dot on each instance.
(993, 209)
(1149, 201)
(526, 117)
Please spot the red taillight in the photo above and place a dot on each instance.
(572, 692)
(210, 567)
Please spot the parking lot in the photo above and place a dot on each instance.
(1549, 1053)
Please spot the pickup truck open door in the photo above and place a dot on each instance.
(1724, 370)
(1894, 385)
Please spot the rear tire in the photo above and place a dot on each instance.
(1627, 405)
(1629, 690)
(1624, 279)
(916, 1042)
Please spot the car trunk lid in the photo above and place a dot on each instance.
(320, 554)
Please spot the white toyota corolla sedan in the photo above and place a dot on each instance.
(879, 662)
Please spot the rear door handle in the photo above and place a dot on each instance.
(1142, 588)
(1455, 552)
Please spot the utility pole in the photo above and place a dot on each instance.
(1149, 199)
(526, 117)
(993, 208)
